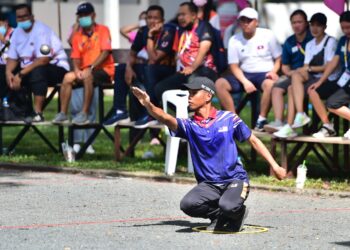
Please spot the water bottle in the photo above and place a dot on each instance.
(5, 106)
(301, 176)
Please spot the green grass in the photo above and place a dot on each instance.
(32, 150)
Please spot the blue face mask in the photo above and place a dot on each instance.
(85, 21)
(2, 30)
(25, 24)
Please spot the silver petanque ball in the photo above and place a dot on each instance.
(45, 49)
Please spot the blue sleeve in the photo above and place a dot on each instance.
(341, 43)
(182, 128)
(241, 131)
(286, 56)
(166, 40)
(140, 40)
(204, 31)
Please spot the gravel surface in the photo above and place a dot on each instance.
(66, 211)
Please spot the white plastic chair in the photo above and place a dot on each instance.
(179, 98)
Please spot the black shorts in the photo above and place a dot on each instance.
(327, 89)
(100, 76)
(283, 83)
(338, 99)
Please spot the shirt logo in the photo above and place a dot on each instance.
(260, 47)
(223, 129)
(294, 49)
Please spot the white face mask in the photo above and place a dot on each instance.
(142, 23)
(200, 3)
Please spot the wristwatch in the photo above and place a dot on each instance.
(92, 67)
(150, 37)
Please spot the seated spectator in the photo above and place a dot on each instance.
(338, 100)
(206, 12)
(36, 58)
(157, 40)
(192, 44)
(293, 55)
(254, 56)
(5, 34)
(318, 52)
(92, 61)
(130, 31)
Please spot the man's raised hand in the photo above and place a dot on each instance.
(141, 95)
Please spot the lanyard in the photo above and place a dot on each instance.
(302, 51)
(185, 40)
(346, 54)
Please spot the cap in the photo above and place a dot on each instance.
(319, 18)
(249, 13)
(85, 8)
(201, 82)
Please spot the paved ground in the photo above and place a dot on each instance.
(65, 211)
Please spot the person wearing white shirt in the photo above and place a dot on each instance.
(318, 53)
(254, 56)
(36, 58)
(5, 34)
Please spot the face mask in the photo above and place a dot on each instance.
(200, 3)
(142, 23)
(85, 21)
(2, 30)
(25, 25)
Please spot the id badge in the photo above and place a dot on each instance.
(344, 79)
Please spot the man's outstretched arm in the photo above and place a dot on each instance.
(264, 152)
(154, 111)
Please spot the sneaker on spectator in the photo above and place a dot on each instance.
(347, 135)
(301, 120)
(60, 118)
(145, 121)
(76, 148)
(154, 141)
(217, 224)
(90, 150)
(325, 131)
(81, 119)
(37, 117)
(273, 126)
(116, 118)
(260, 125)
(285, 132)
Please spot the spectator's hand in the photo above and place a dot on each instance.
(187, 71)
(272, 75)
(9, 79)
(129, 75)
(249, 87)
(2, 39)
(313, 86)
(155, 29)
(141, 95)
(79, 74)
(16, 83)
(85, 73)
(280, 172)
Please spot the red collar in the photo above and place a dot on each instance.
(200, 119)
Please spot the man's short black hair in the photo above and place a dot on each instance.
(3, 18)
(345, 17)
(156, 7)
(22, 6)
(193, 8)
(299, 12)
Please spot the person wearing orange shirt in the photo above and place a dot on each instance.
(92, 63)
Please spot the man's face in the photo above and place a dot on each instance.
(23, 15)
(317, 29)
(299, 24)
(153, 18)
(185, 16)
(248, 25)
(345, 27)
(198, 98)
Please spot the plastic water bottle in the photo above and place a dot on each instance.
(5, 106)
(301, 176)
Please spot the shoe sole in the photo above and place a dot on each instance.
(271, 129)
(286, 137)
(120, 122)
(81, 124)
(59, 123)
(150, 123)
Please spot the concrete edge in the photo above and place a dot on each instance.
(161, 178)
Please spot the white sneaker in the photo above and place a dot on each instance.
(273, 126)
(324, 132)
(90, 150)
(285, 132)
(76, 148)
(301, 120)
(347, 135)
